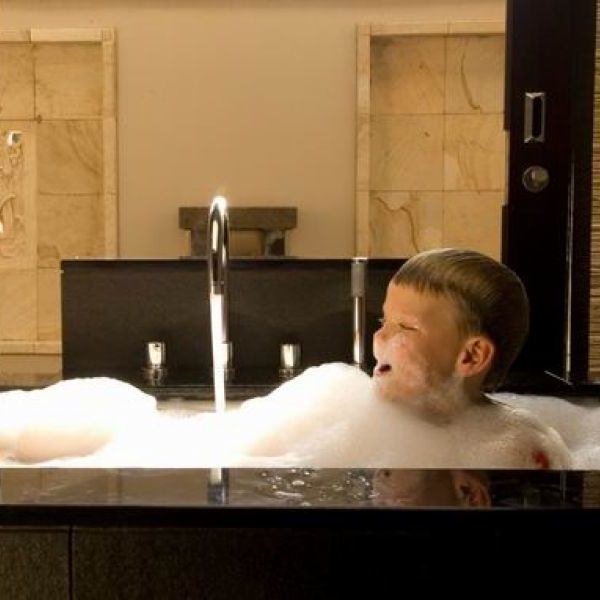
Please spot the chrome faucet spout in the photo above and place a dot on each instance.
(218, 245)
(218, 256)
(218, 259)
(218, 266)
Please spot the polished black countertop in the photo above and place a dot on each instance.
(291, 488)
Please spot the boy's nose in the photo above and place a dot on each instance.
(378, 337)
(380, 334)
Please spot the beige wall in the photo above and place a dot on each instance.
(252, 98)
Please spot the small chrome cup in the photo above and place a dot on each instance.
(155, 369)
(290, 358)
(156, 354)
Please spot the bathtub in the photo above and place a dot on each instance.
(267, 532)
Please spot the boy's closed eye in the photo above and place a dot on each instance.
(400, 324)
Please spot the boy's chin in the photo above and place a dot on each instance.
(387, 389)
(382, 388)
(418, 400)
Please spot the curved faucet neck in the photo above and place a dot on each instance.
(218, 245)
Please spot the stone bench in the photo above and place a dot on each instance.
(271, 222)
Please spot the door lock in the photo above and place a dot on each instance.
(535, 179)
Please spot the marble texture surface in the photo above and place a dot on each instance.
(407, 75)
(68, 227)
(474, 74)
(363, 152)
(68, 80)
(430, 144)
(407, 152)
(58, 185)
(18, 304)
(404, 223)
(69, 157)
(474, 152)
(16, 81)
(109, 216)
(48, 304)
(472, 220)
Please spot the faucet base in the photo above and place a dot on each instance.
(154, 375)
(286, 373)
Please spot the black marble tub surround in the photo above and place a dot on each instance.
(112, 308)
(168, 389)
(34, 562)
(131, 533)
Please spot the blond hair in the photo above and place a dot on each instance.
(489, 297)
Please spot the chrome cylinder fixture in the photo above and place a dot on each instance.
(290, 358)
(359, 296)
(155, 368)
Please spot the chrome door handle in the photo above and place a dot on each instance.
(535, 117)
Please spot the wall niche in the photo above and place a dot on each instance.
(58, 172)
(430, 139)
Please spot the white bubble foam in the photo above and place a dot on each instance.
(72, 417)
(330, 416)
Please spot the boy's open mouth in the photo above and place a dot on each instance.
(382, 369)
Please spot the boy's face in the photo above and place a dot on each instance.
(417, 346)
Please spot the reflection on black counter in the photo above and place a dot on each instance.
(302, 488)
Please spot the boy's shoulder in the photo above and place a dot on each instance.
(518, 436)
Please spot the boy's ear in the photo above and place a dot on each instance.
(471, 488)
(476, 356)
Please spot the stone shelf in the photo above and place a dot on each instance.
(271, 222)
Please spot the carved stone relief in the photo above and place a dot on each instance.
(12, 203)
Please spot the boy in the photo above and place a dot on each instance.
(453, 323)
